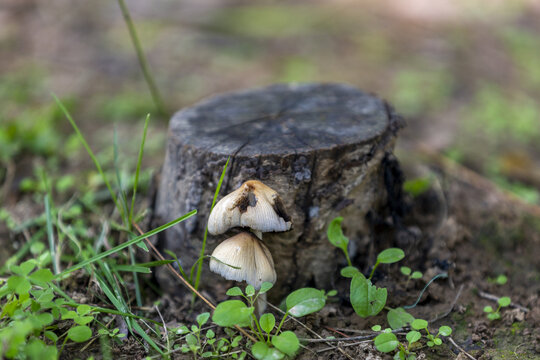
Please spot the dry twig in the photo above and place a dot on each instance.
(460, 348)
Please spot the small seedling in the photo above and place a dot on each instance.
(366, 298)
(387, 341)
(410, 274)
(207, 345)
(336, 237)
(433, 340)
(499, 280)
(495, 315)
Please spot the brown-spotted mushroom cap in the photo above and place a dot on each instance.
(253, 205)
(246, 252)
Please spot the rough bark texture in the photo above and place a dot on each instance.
(320, 146)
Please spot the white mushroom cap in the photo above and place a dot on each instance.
(248, 253)
(253, 205)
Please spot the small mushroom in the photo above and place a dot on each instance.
(251, 259)
(258, 207)
(253, 205)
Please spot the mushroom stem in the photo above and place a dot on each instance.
(257, 233)
(260, 304)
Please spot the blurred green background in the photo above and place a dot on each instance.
(465, 74)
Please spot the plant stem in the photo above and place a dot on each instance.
(281, 322)
(158, 102)
(260, 332)
(348, 258)
(373, 270)
(203, 247)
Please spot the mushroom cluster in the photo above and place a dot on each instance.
(244, 257)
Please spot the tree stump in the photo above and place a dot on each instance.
(320, 146)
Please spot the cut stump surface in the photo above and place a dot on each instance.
(320, 146)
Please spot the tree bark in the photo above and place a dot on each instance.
(320, 146)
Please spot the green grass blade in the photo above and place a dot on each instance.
(133, 268)
(145, 336)
(123, 199)
(50, 234)
(138, 296)
(126, 244)
(138, 170)
(203, 248)
(87, 147)
(158, 102)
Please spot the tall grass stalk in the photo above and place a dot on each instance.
(156, 96)
(203, 247)
(88, 150)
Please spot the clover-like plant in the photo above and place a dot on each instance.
(496, 314)
(273, 343)
(388, 342)
(207, 345)
(366, 298)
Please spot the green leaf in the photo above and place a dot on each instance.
(182, 330)
(19, 284)
(349, 271)
(259, 350)
(445, 330)
(386, 342)
(494, 316)
(202, 318)
(83, 320)
(416, 275)
(191, 339)
(430, 343)
(366, 299)
(42, 276)
(267, 322)
(335, 234)
(376, 328)
(286, 342)
(413, 336)
(210, 334)
(305, 301)
(501, 279)
(265, 287)
(51, 336)
(390, 256)
(504, 301)
(250, 290)
(79, 333)
(405, 270)
(44, 319)
(235, 291)
(83, 309)
(331, 293)
(488, 309)
(398, 318)
(232, 312)
(27, 266)
(419, 324)
(437, 341)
